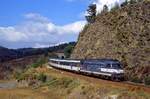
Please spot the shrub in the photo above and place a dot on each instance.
(40, 62)
(136, 79)
(132, 1)
(42, 77)
(116, 6)
(124, 3)
(67, 83)
(68, 50)
(17, 76)
(24, 76)
(147, 80)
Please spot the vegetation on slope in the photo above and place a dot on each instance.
(68, 50)
(16, 60)
(19, 65)
(64, 85)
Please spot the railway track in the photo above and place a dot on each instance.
(95, 80)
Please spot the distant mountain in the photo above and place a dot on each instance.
(6, 54)
(9, 54)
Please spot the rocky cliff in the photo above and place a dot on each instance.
(123, 34)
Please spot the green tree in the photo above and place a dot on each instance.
(132, 1)
(116, 6)
(140, 0)
(68, 50)
(91, 13)
(105, 9)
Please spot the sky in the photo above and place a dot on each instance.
(43, 23)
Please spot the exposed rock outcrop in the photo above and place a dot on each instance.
(123, 34)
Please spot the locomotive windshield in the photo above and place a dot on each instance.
(116, 66)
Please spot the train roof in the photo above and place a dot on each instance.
(65, 60)
(105, 61)
(100, 61)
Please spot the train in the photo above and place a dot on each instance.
(103, 68)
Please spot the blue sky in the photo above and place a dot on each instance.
(42, 23)
(59, 11)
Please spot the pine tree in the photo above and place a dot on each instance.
(124, 3)
(91, 13)
(132, 1)
(105, 9)
(117, 6)
(139, 0)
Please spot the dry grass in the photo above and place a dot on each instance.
(23, 93)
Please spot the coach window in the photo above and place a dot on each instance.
(116, 66)
(64, 63)
(72, 64)
(108, 66)
(101, 65)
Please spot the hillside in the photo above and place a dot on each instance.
(123, 34)
(18, 65)
(6, 54)
(10, 54)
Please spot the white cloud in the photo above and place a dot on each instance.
(109, 3)
(11, 34)
(36, 28)
(42, 45)
(38, 45)
(75, 27)
(36, 17)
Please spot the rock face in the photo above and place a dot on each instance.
(123, 34)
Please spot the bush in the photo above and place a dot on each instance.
(136, 79)
(24, 76)
(147, 80)
(17, 76)
(132, 1)
(124, 3)
(67, 83)
(40, 62)
(42, 77)
(68, 50)
(116, 6)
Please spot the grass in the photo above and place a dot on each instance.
(42, 77)
(30, 72)
(23, 93)
(135, 79)
(40, 62)
(147, 80)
